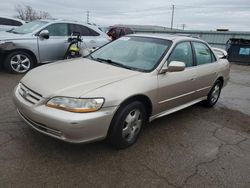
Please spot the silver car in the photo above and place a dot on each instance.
(44, 41)
(117, 89)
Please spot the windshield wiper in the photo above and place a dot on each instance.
(111, 62)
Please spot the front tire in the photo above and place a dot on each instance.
(18, 62)
(214, 94)
(127, 125)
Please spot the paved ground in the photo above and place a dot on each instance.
(196, 147)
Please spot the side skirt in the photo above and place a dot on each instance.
(167, 112)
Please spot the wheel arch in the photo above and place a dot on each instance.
(34, 57)
(220, 78)
(144, 99)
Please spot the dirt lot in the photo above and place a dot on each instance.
(196, 147)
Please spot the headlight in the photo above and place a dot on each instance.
(76, 104)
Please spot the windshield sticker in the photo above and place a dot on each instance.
(125, 38)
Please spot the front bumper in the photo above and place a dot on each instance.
(63, 125)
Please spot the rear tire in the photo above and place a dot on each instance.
(127, 125)
(18, 62)
(214, 94)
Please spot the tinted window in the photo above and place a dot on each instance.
(16, 23)
(203, 53)
(84, 31)
(93, 33)
(59, 29)
(182, 52)
(5, 21)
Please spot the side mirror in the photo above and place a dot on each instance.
(174, 66)
(44, 34)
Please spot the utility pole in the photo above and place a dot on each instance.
(183, 26)
(87, 17)
(172, 20)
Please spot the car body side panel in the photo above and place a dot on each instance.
(29, 44)
(53, 48)
(116, 93)
(206, 76)
(176, 88)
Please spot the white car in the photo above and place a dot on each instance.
(7, 23)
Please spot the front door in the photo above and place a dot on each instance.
(178, 88)
(56, 46)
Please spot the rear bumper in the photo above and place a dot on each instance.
(62, 125)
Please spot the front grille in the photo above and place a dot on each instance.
(29, 95)
(41, 127)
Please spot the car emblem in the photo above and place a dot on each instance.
(25, 93)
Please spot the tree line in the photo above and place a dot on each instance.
(27, 13)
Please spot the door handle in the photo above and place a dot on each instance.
(192, 79)
(92, 41)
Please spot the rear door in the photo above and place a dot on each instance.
(206, 68)
(178, 88)
(90, 37)
(56, 46)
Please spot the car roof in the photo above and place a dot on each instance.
(52, 20)
(65, 21)
(172, 37)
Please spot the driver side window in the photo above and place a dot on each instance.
(59, 29)
(182, 52)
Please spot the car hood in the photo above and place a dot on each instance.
(5, 36)
(74, 78)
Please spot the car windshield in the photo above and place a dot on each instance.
(132, 52)
(29, 27)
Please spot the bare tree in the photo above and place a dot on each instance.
(27, 13)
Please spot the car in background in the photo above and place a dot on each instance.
(114, 91)
(44, 41)
(116, 32)
(7, 23)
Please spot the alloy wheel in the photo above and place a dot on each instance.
(20, 63)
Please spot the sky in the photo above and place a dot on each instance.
(195, 14)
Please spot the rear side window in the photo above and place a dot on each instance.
(182, 52)
(83, 30)
(58, 29)
(16, 23)
(203, 54)
(5, 21)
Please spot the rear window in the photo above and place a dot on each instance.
(83, 30)
(10, 22)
